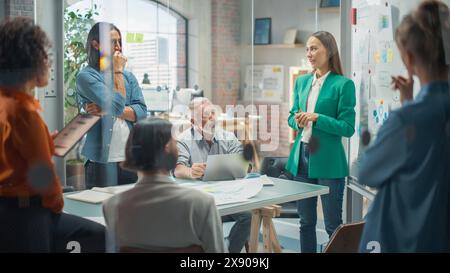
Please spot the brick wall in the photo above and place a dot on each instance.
(280, 120)
(181, 53)
(16, 8)
(226, 68)
(225, 31)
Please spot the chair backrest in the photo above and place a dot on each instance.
(189, 249)
(25, 230)
(275, 167)
(345, 239)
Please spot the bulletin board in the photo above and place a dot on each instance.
(264, 83)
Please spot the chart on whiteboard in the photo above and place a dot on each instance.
(375, 59)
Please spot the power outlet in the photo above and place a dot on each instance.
(50, 91)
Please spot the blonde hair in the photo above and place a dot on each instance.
(197, 102)
(423, 33)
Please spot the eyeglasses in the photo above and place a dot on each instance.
(115, 42)
(208, 113)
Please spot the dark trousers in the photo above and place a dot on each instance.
(36, 229)
(75, 234)
(307, 209)
(240, 232)
(105, 175)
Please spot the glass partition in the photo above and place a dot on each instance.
(243, 55)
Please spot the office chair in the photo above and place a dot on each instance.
(189, 249)
(25, 230)
(275, 167)
(67, 189)
(346, 239)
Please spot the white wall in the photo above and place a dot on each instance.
(51, 97)
(285, 14)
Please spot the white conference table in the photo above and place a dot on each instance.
(282, 191)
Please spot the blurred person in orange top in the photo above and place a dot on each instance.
(27, 173)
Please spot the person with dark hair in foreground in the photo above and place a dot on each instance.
(157, 215)
(27, 174)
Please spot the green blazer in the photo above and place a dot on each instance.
(336, 109)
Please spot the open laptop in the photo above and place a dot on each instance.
(224, 167)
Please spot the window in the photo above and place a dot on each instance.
(154, 37)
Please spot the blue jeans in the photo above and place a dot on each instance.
(307, 209)
(105, 175)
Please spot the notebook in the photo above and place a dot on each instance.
(90, 196)
(98, 195)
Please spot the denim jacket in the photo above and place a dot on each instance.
(409, 165)
(96, 87)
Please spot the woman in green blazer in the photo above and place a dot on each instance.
(323, 113)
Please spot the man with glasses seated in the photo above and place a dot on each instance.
(204, 138)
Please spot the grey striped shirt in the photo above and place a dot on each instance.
(193, 148)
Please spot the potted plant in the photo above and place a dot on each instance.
(76, 28)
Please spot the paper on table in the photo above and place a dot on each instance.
(228, 192)
(226, 200)
(264, 179)
(114, 189)
(91, 196)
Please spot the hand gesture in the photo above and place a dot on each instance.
(405, 86)
(94, 109)
(303, 118)
(119, 61)
(198, 170)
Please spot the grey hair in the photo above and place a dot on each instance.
(197, 102)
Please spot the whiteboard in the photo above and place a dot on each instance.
(375, 58)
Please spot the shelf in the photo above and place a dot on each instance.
(287, 46)
(327, 10)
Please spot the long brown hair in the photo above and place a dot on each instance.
(93, 54)
(423, 33)
(329, 42)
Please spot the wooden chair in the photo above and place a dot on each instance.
(189, 249)
(346, 239)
